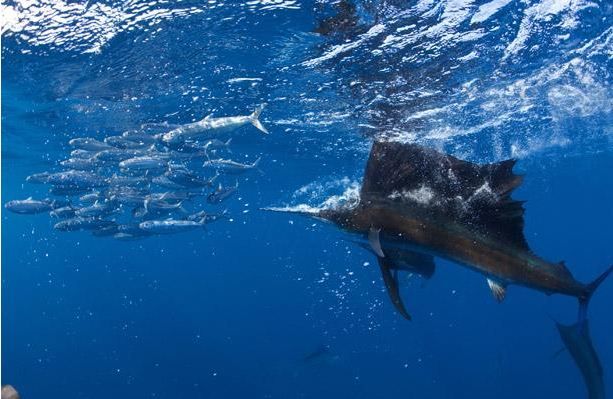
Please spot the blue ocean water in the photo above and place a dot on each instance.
(238, 308)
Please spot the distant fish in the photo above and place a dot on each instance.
(142, 213)
(205, 147)
(124, 143)
(169, 226)
(126, 195)
(139, 136)
(165, 182)
(78, 153)
(98, 209)
(76, 178)
(210, 126)
(229, 166)
(38, 177)
(80, 163)
(63, 212)
(216, 143)
(179, 195)
(92, 197)
(240, 80)
(221, 194)
(577, 340)
(29, 206)
(118, 155)
(130, 231)
(186, 178)
(79, 223)
(322, 355)
(144, 163)
(161, 204)
(129, 237)
(89, 144)
(206, 217)
(68, 191)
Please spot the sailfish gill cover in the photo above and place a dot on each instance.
(138, 258)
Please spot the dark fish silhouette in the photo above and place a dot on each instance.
(577, 340)
(321, 354)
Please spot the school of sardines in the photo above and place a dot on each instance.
(143, 182)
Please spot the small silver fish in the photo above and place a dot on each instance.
(123, 143)
(205, 217)
(80, 163)
(229, 166)
(118, 155)
(76, 178)
(78, 153)
(38, 177)
(209, 126)
(63, 212)
(91, 197)
(139, 136)
(29, 206)
(79, 223)
(143, 163)
(169, 226)
(97, 209)
(89, 144)
(221, 194)
(165, 182)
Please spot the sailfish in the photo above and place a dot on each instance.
(417, 204)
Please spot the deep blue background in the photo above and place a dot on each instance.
(232, 311)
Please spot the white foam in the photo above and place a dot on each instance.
(422, 195)
(486, 10)
(343, 48)
(347, 200)
(543, 12)
(85, 26)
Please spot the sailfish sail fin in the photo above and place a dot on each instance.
(477, 196)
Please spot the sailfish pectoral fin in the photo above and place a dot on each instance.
(390, 279)
(375, 242)
(498, 290)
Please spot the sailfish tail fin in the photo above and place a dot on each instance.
(590, 288)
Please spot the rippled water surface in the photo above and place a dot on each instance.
(270, 305)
